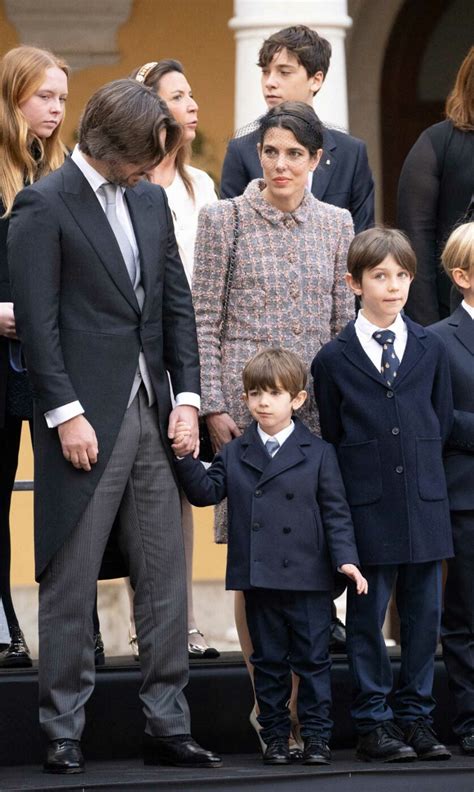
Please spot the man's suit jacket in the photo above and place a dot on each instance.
(82, 328)
(342, 178)
(285, 513)
(457, 332)
(389, 444)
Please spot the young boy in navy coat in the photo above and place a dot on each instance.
(384, 396)
(457, 627)
(289, 530)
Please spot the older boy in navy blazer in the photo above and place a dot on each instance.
(457, 627)
(289, 530)
(384, 396)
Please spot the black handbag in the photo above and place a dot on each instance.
(206, 453)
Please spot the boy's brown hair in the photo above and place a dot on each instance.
(369, 248)
(459, 249)
(312, 51)
(275, 368)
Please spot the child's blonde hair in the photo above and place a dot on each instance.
(459, 250)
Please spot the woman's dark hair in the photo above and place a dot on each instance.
(151, 75)
(297, 117)
(123, 121)
(460, 102)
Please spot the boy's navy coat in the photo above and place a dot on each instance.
(457, 332)
(389, 442)
(285, 512)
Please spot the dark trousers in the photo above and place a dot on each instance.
(290, 632)
(418, 598)
(457, 627)
(10, 436)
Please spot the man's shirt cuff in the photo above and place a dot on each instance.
(61, 414)
(188, 399)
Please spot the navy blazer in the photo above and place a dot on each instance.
(343, 177)
(289, 523)
(457, 332)
(389, 443)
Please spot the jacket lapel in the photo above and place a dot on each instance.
(145, 220)
(289, 455)
(415, 349)
(253, 452)
(465, 328)
(355, 354)
(327, 164)
(88, 214)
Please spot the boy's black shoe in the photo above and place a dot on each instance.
(467, 743)
(277, 751)
(316, 751)
(384, 744)
(421, 736)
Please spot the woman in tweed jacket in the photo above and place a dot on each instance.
(287, 287)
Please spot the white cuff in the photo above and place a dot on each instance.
(189, 399)
(61, 414)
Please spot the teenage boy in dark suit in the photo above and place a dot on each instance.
(457, 627)
(384, 396)
(289, 530)
(294, 63)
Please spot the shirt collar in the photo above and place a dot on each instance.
(367, 329)
(94, 178)
(281, 436)
(468, 308)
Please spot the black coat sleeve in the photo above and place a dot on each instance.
(203, 487)
(235, 176)
(362, 193)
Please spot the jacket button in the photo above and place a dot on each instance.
(395, 430)
(389, 394)
(255, 526)
(258, 493)
(286, 563)
(399, 469)
(286, 529)
(289, 496)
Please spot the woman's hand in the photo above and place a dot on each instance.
(353, 573)
(7, 320)
(222, 429)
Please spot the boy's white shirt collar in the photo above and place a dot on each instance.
(281, 436)
(365, 330)
(468, 308)
(368, 329)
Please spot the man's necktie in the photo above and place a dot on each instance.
(390, 362)
(109, 191)
(272, 446)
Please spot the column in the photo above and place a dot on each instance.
(255, 20)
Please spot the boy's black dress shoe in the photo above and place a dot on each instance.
(178, 750)
(467, 743)
(316, 751)
(64, 756)
(421, 736)
(17, 654)
(384, 744)
(337, 637)
(277, 751)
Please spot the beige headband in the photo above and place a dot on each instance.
(144, 71)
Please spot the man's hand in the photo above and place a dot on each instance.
(188, 415)
(222, 429)
(353, 573)
(7, 320)
(182, 432)
(79, 442)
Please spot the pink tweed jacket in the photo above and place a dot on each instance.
(288, 290)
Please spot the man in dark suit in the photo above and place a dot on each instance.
(294, 63)
(103, 310)
(457, 627)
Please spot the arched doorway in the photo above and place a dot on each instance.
(428, 41)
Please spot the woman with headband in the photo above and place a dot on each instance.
(188, 189)
(284, 286)
(33, 98)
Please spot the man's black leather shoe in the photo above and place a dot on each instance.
(17, 654)
(384, 744)
(277, 751)
(99, 651)
(64, 756)
(337, 637)
(316, 751)
(422, 738)
(178, 750)
(467, 743)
